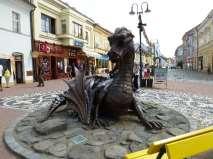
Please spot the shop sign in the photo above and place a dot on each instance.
(72, 53)
(160, 74)
(43, 47)
(78, 43)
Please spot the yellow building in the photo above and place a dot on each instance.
(101, 46)
(64, 36)
(205, 44)
(147, 55)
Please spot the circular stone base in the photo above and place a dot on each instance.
(61, 136)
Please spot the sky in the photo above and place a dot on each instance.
(167, 22)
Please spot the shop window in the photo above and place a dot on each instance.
(46, 63)
(77, 30)
(101, 63)
(60, 65)
(16, 22)
(47, 24)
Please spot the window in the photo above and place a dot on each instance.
(46, 63)
(63, 27)
(101, 63)
(16, 22)
(77, 30)
(60, 65)
(47, 24)
(86, 36)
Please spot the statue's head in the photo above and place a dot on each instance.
(121, 43)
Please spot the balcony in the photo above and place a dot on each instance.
(64, 36)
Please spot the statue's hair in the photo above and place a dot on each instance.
(122, 33)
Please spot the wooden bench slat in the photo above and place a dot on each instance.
(155, 146)
(190, 146)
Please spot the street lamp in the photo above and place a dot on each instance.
(141, 29)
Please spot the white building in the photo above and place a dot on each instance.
(15, 39)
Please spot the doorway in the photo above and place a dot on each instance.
(72, 62)
(212, 63)
(53, 67)
(35, 75)
(19, 69)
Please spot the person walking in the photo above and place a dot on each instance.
(69, 72)
(7, 75)
(136, 72)
(1, 72)
(41, 75)
(92, 69)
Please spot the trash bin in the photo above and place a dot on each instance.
(143, 83)
(149, 83)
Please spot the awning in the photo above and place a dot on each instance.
(96, 55)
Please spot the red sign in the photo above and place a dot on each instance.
(43, 47)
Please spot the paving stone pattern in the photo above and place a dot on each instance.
(197, 109)
(29, 102)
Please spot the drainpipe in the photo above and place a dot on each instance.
(31, 33)
(197, 48)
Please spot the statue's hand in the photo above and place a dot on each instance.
(153, 124)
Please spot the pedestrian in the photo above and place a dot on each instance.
(1, 72)
(7, 75)
(135, 77)
(92, 69)
(41, 74)
(69, 72)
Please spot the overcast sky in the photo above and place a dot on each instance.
(167, 22)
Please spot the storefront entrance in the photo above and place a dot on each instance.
(53, 67)
(200, 63)
(55, 59)
(19, 69)
(212, 63)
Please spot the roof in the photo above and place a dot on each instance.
(74, 9)
(210, 15)
(191, 30)
(29, 2)
(144, 47)
(95, 24)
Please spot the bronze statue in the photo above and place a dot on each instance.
(94, 97)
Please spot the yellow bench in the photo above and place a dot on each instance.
(178, 147)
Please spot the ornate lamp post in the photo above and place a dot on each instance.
(141, 29)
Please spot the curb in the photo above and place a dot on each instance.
(14, 146)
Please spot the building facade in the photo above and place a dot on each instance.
(63, 36)
(15, 40)
(147, 55)
(190, 49)
(179, 56)
(205, 41)
(101, 46)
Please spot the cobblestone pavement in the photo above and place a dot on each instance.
(198, 109)
(29, 102)
(190, 76)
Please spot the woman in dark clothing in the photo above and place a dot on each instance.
(41, 75)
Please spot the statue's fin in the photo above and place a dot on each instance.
(77, 95)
